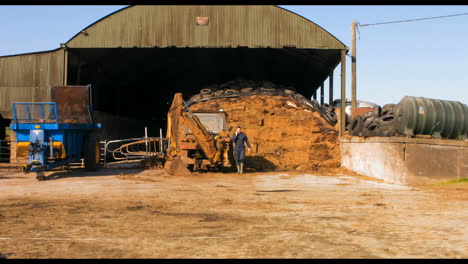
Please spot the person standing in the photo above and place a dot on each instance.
(240, 139)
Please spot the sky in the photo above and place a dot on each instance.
(423, 58)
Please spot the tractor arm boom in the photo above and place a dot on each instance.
(179, 116)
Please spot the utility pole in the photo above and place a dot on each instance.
(330, 88)
(353, 69)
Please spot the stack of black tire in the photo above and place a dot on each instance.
(239, 87)
(327, 111)
(380, 122)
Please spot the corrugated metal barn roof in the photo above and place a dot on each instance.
(228, 26)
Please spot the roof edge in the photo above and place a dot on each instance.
(30, 53)
(97, 21)
(346, 47)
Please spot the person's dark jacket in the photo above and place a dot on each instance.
(239, 141)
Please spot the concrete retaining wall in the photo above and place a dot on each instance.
(406, 160)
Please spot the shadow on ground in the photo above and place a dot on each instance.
(80, 172)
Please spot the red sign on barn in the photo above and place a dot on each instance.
(201, 21)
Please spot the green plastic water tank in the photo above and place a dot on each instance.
(439, 118)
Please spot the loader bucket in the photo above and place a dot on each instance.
(176, 167)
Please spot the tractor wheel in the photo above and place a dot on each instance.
(91, 151)
(40, 178)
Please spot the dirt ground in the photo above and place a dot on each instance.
(146, 214)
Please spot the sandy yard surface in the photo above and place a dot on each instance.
(131, 213)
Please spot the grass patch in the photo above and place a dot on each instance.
(458, 181)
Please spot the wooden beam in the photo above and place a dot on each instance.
(65, 64)
(343, 93)
(330, 88)
(322, 93)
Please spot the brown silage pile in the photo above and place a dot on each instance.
(285, 134)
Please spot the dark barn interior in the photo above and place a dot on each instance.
(137, 85)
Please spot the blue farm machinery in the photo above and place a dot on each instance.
(54, 134)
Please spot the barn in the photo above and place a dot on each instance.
(136, 59)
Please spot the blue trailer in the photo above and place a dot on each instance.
(49, 144)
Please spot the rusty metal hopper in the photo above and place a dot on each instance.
(73, 103)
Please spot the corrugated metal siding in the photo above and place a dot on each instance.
(229, 26)
(28, 78)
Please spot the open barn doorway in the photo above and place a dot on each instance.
(134, 87)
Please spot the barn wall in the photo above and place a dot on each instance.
(27, 78)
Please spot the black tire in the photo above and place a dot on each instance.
(246, 90)
(299, 96)
(207, 96)
(368, 114)
(330, 119)
(91, 151)
(333, 118)
(356, 125)
(377, 110)
(315, 104)
(288, 91)
(367, 121)
(230, 91)
(372, 128)
(195, 97)
(388, 106)
(218, 93)
(264, 89)
(386, 120)
(388, 112)
(327, 108)
(206, 91)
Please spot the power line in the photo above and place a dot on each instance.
(411, 20)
